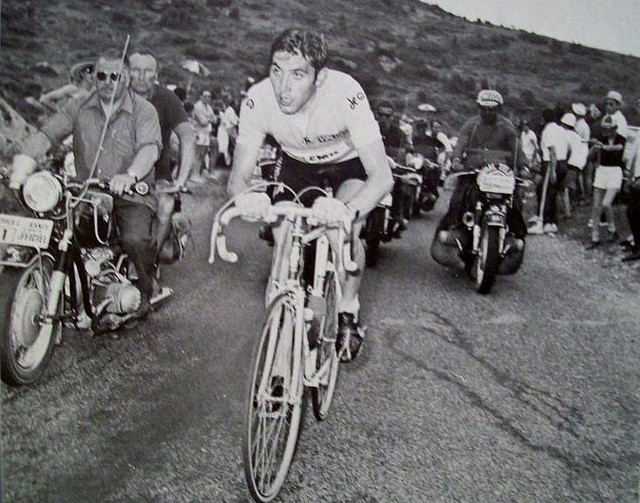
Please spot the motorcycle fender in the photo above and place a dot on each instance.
(494, 219)
(19, 256)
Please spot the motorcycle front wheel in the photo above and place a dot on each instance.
(488, 259)
(26, 343)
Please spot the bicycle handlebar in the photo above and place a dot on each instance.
(270, 215)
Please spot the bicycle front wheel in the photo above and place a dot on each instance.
(275, 403)
(327, 362)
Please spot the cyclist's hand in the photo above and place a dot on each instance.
(330, 209)
(253, 203)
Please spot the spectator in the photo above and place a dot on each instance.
(203, 121)
(608, 178)
(612, 104)
(444, 155)
(633, 200)
(578, 152)
(80, 84)
(227, 129)
(529, 144)
(554, 147)
(584, 132)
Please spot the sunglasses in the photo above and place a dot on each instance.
(612, 103)
(113, 76)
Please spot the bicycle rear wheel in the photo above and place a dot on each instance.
(275, 403)
(327, 362)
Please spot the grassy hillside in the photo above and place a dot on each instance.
(402, 50)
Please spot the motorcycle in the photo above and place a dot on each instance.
(428, 193)
(483, 240)
(389, 218)
(62, 265)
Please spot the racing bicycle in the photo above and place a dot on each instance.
(297, 346)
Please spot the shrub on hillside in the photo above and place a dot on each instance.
(532, 38)
(219, 3)
(457, 83)
(180, 14)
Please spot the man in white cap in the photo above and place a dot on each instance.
(584, 132)
(612, 105)
(576, 160)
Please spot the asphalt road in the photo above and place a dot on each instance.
(529, 394)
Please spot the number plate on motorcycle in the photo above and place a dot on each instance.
(33, 232)
(496, 182)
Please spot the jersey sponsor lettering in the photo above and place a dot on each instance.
(355, 100)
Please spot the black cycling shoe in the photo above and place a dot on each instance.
(349, 334)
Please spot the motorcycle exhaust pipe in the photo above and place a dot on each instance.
(468, 219)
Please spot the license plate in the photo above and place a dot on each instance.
(497, 183)
(33, 232)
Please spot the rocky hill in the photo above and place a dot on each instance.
(402, 50)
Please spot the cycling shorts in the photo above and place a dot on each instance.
(299, 175)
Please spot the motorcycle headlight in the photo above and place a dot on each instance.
(42, 192)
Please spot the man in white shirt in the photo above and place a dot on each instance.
(529, 144)
(203, 120)
(555, 148)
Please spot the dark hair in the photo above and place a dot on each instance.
(181, 93)
(188, 107)
(309, 45)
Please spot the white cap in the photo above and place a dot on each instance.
(569, 120)
(579, 109)
(615, 96)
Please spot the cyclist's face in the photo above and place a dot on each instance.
(144, 70)
(294, 81)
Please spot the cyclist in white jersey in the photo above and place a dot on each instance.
(328, 134)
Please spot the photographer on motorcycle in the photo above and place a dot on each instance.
(480, 136)
(127, 153)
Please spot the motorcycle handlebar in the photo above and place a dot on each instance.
(140, 188)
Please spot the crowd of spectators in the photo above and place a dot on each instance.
(586, 156)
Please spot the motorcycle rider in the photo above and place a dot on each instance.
(396, 144)
(323, 122)
(127, 155)
(488, 131)
(173, 117)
